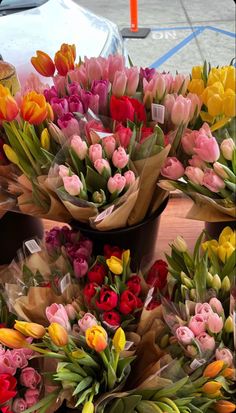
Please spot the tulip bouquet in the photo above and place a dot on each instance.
(208, 272)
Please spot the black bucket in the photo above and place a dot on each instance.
(140, 238)
(215, 228)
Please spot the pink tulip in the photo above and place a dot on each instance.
(120, 158)
(32, 397)
(206, 342)
(197, 324)
(168, 80)
(19, 405)
(109, 145)
(215, 323)
(119, 84)
(216, 305)
(203, 309)
(95, 152)
(188, 141)
(206, 146)
(168, 103)
(212, 181)
(74, 88)
(101, 88)
(7, 366)
(63, 171)
(75, 104)
(102, 165)
(56, 313)
(79, 76)
(115, 63)
(79, 146)
(184, 335)
(225, 355)
(94, 69)
(160, 87)
(72, 185)
(129, 178)
(90, 101)
(87, 321)
(30, 378)
(91, 127)
(181, 110)
(227, 148)
(195, 175)
(172, 168)
(70, 311)
(68, 124)
(59, 106)
(180, 84)
(80, 266)
(196, 105)
(19, 358)
(60, 84)
(116, 183)
(123, 135)
(219, 170)
(132, 80)
(197, 162)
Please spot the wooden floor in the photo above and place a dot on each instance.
(172, 224)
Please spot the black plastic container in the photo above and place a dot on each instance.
(215, 228)
(140, 238)
(16, 228)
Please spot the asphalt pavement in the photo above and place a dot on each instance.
(183, 32)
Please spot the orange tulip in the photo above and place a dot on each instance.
(30, 329)
(34, 108)
(65, 59)
(211, 387)
(223, 406)
(8, 105)
(213, 369)
(228, 373)
(43, 64)
(96, 338)
(58, 334)
(12, 338)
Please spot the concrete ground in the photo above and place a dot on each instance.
(183, 32)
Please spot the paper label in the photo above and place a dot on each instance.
(128, 345)
(102, 134)
(104, 214)
(65, 282)
(197, 363)
(149, 297)
(32, 246)
(158, 112)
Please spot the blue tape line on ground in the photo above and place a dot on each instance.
(226, 32)
(155, 29)
(175, 49)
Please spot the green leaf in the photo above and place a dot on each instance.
(117, 407)
(171, 389)
(94, 181)
(46, 401)
(173, 264)
(200, 277)
(27, 275)
(197, 248)
(83, 396)
(83, 385)
(229, 265)
(78, 164)
(14, 143)
(48, 155)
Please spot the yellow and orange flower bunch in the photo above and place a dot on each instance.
(217, 91)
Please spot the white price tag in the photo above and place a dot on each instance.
(102, 134)
(197, 363)
(149, 297)
(65, 282)
(158, 112)
(128, 345)
(32, 246)
(104, 214)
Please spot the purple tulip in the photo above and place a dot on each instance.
(75, 104)
(90, 101)
(50, 93)
(147, 73)
(59, 106)
(68, 124)
(74, 88)
(80, 267)
(101, 88)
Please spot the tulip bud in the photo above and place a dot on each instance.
(184, 292)
(56, 133)
(45, 139)
(30, 329)
(227, 148)
(70, 311)
(228, 373)
(229, 325)
(12, 338)
(225, 285)
(213, 369)
(88, 407)
(193, 293)
(119, 340)
(164, 341)
(209, 279)
(220, 171)
(216, 284)
(224, 406)
(96, 338)
(211, 387)
(58, 334)
(99, 197)
(192, 351)
(10, 154)
(186, 280)
(180, 244)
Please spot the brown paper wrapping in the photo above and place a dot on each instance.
(79, 213)
(149, 171)
(207, 209)
(148, 318)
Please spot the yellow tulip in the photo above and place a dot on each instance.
(206, 117)
(96, 338)
(12, 338)
(211, 246)
(213, 369)
(196, 86)
(88, 407)
(126, 257)
(225, 251)
(30, 329)
(119, 340)
(58, 334)
(215, 105)
(197, 72)
(229, 106)
(45, 139)
(34, 108)
(227, 235)
(230, 78)
(211, 387)
(219, 124)
(10, 154)
(115, 265)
